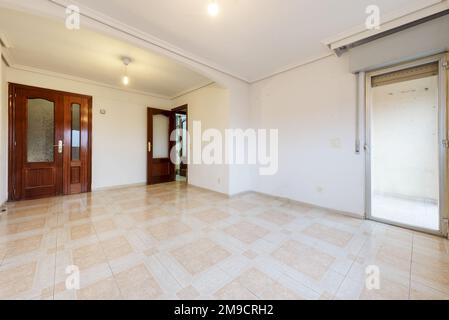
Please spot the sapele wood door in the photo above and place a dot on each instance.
(160, 168)
(77, 137)
(49, 143)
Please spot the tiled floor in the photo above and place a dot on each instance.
(178, 242)
(423, 214)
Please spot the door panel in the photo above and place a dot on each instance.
(160, 125)
(76, 156)
(38, 166)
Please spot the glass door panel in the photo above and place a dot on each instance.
(405, 151)
(40, 130)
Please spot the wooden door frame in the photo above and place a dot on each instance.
(12, 88)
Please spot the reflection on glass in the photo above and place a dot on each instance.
(76, 129)
(161, 125)
(40, 130)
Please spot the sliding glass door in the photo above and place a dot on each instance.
(406, 151)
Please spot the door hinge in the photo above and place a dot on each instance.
(446, 65)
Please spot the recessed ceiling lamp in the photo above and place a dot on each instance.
(213, 8)
(126, 62)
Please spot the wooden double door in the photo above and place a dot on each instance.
(50, 139)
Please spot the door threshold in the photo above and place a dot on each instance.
(408, 227)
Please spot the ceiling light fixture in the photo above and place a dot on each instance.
(213, 8)
(126, 62)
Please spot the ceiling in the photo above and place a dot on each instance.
(46, 44)
(249, 38)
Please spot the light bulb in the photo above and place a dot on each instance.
(213, 8)
(125, 80)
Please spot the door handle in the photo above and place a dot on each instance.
(60, 146)
(149, 146)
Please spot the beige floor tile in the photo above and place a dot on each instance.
(250, 254)
(104, 225)
(422, 292)
(15, 280)
(106, 289)
(23, 246)
(305, 259)
(277, 217)
(82, 231)
(389, 290)
(168, 230)
(254, 284)
(211, 216)
(149, 214)
(200, 255)
(117, 247)
(138, 284)
(331, 235)
(431, 275)
(88, 256)
(88, 213)
(188, 293)
(20, 227)
(246, 232)
(28, 212)
(241, 205)
(234, 291)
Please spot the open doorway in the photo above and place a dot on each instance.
(167, 145)
(405, 129)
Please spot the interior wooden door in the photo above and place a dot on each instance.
(160, 168)
(37, 143)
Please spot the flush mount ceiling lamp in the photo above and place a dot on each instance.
(126, 61)
(213, 8)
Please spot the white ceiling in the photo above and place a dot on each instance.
(249, 38)
(46, 44)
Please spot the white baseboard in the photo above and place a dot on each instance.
(313, 206)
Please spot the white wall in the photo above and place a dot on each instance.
(3, 134)
(210, 105)
(119, 137)
(314, 108)
(405, 142)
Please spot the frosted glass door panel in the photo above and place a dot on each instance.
(161, 125)
(40, 131)
(76, 129)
